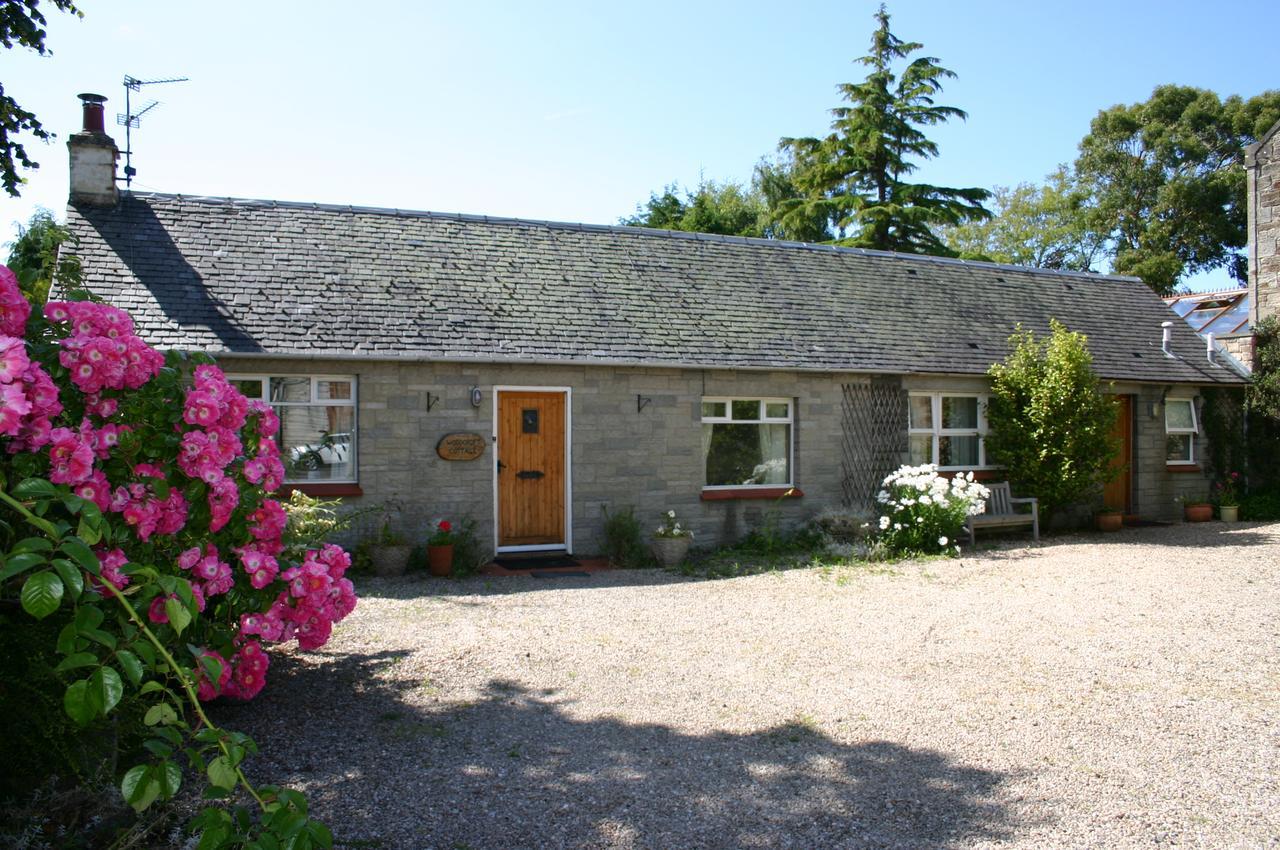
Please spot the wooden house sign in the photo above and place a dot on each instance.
(460, 446)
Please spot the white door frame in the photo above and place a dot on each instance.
(567, 545)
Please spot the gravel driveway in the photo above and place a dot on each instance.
(1116, 691)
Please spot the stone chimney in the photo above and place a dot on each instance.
(93, 158)
(1262, 165)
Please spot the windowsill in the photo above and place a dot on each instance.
(979, 474)
(318, 489)
(1182, 467)
(751, 493)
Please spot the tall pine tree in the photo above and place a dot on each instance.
(856, 176)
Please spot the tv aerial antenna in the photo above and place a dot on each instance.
(130, 119)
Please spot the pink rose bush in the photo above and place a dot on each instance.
(178, 464)
(135, 516)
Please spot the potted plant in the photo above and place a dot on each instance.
(389, 552)
(671, 541)
(1108, 519)
(440, 549)
(1197, 508)
(1227, 496)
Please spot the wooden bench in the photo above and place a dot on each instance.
(1000, 512)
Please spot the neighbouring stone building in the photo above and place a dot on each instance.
(595, 367)
(1262, 162)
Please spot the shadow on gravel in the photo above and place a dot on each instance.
(516, 769)
(1184, 536)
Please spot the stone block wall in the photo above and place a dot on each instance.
(1262, 163)
(1157, 487)
(650, 460)
(1239, 346)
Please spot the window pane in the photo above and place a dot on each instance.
(714, 409)
(921, 449)
(746, 454)
(291, 389)
(333, 390)
(777, 409)
(318, 442)
(252, 389)
(921, 411)
(957, 451)
(1177, 414)
(746, 410)
(959, 412)
(1178, 447)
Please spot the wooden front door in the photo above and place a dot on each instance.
(1116, 494)
(531, 468)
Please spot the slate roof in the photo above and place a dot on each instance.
(226, 275)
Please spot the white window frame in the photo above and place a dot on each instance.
(937, 431)
(315, 401)
(762, 420)
(1192, 431)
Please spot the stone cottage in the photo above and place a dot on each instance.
(530, 374)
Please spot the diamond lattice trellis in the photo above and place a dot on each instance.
(874, 422)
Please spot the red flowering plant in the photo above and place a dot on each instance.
(135, 515)
(1226, 491)
(444, 535)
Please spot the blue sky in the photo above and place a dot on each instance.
(576, 111)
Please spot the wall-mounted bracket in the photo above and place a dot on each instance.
(642, 402)
(431, 401)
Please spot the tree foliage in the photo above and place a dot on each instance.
(775, 181)
(37, 261)
(1050, 424)
(1039, 226)
(855, 177)
(22, 23)
(732, 209)
(727, 208)
(1165, 181)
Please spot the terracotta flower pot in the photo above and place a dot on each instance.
(389, 561)
(1229, 513)
(440, 560)
(1198, 513)
(670, 551)
(1109, 520)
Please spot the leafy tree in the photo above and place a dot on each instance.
(1040, 226)
(774, 180)
(1050, 424)
(727, 208)
(855, 177)
(1165, 181)
(21, 23)
(35, 259)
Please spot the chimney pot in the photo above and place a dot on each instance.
(93, 120)
(93, 158)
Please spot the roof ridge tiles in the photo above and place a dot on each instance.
(649, 232)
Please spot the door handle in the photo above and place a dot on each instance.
(530, 473)
(501, 466)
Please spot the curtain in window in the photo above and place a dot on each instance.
(774, 458)
(707, 430)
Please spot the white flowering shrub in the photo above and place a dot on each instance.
(671, 527)
(923, 513)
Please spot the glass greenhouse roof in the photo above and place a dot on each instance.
(1217, 313)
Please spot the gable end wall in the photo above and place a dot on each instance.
(1263, 165)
